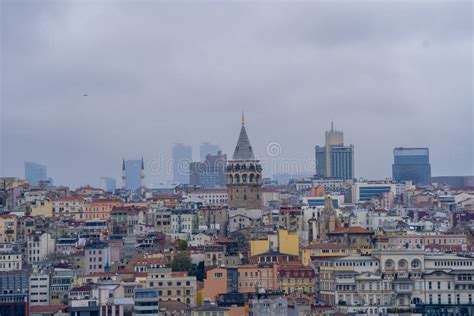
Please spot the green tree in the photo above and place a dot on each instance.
(182, 245)
(198, 271)
(181, 262)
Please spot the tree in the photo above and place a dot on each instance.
(182, 245)
(181, 262)
(198, 271)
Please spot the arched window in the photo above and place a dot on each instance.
(402, 264)
(416, 264)
(389, 264)
(237, 178)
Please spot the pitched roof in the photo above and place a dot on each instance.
(325, 245)
(243, 149)
(48, 309)
(352, 229)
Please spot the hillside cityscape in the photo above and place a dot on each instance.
(236, 158)
(224, 240)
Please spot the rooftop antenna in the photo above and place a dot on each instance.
(332, 126)
(242, 119)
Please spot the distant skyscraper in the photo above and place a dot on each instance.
(334, 159)
(411, 164)
(182, 157)
(133, 174)
(209, 173)
(108, 184)
(207, 149)
(35, 172)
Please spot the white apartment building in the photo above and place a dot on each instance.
(96, 257)
(39, 289)
(184, 222)
(10, 261)
(211, 197)
(40, 245)
(397, 279)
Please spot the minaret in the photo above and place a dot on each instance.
(142, 178)
(244, 174)
(124, 176)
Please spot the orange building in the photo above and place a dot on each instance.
(100, 208)
(257, 276)
(215, 283)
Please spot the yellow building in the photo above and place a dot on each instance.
(259, 246)
(42, 208)
(8, 228)
(287, 243)
(199, 297)
(322, 250)
(296, 278)
(209, 310)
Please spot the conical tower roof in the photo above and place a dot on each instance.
(243, 149)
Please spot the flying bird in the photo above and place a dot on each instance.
(84, 95)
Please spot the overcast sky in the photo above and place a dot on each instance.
(388, 75)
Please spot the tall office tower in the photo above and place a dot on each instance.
(182, 157)
(244, 175)
(207, 149)
(132, 175)
(411, 164)
(320, 152)
(334, 159)
(35, 172)
(108, 184)
(209, 173)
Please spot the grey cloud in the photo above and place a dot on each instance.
(392, 74)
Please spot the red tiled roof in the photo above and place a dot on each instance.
(99, 201)
(70, 198)
(351, 230)
(146, 261)
(325, 245)
(164, 197)
(47, 308)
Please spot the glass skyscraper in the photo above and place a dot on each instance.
(108, 184)
(133, 174)
(35, 172)
(411, 164)
(207, 149)
(334, 159)
(209, 173)
(182, 157)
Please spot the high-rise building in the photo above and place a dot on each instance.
(146, 302)
(209, 173)
(133, 175)
(244, 175)
(182, 157)
(108, 184)
(411, 164)
(207, 149)
(334, 159)
(35, 172)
